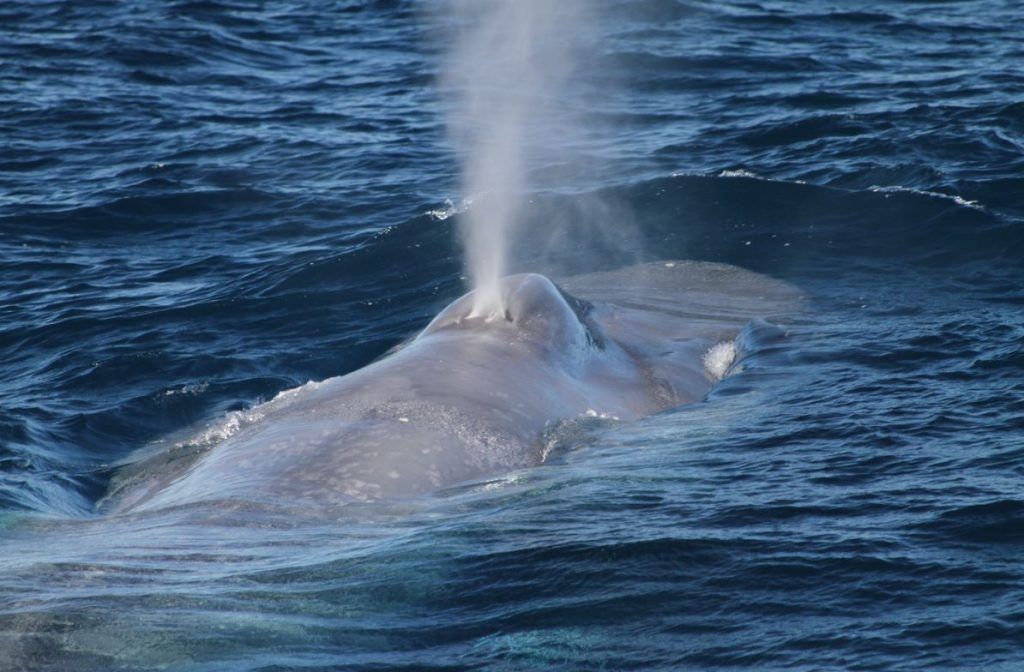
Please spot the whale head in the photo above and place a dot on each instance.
(536, 310)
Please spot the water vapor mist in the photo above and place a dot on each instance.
(508, 67)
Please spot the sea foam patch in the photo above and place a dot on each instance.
(719, 358)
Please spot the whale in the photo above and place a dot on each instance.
(471, 397)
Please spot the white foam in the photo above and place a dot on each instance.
(235, 421)
(754, 176)
(741, 173)
(934, 194)
(190, 389)
(449, 209)
(224, 429)
(719, 358)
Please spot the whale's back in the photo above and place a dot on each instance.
(470, 396)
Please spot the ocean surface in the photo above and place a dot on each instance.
(205, 203)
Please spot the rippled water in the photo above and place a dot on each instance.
(205, 203)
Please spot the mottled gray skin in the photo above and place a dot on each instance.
(470, 397)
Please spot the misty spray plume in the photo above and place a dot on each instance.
(507, 69)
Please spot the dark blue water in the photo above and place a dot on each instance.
(205, 203)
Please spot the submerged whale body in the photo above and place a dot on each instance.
(470, 396)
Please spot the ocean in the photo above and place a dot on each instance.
(204, 203)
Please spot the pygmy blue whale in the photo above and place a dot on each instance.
(470, 396)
